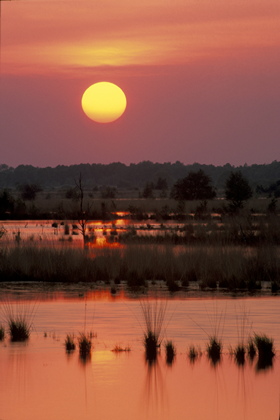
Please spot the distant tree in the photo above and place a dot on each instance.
(108, 192)
(148, 190)
(237, 190)
(83, 214)
(272, 190)
(195, 186)
(7, 203)
(161, 184)
(72, 193)
(29, 191)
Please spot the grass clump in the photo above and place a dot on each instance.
(153, 315)
(265, 348)
(19, 319)
(120, 349)
(170, 352)
(84, 341)
(239, 354)
(214, 349)
(19, 329)
(251, 349)
(193, 353)
(69, 343)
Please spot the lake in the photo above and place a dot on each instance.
(40, 380)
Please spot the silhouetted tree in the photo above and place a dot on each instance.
(195, 186)
(29, 191)
(148, 190)
(161, 184)
(7, 203)
(108, 192)
(237, 190)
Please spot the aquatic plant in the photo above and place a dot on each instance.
(214, 349)
(84, 341)
(69, 343)
(265, 348)
(153, 313)
(239, 354)
(193, 353)
(170, 352)
(251, 348)
(119, 349)
(19, 319)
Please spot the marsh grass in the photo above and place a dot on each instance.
(251, 349)
(85, 344)
(244, 328)
(231, 268)
(19, 319)
(120, 349)
(153, 314)
(170, 352)
(193, 353)
(70, 343)
(265, 349)
(239, 354)
(214, 349)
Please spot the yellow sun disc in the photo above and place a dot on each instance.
(104, 102)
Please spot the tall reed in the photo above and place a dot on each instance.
(153, 313)
(19, 318)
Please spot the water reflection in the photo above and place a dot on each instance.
(155, 395)
(123, 385)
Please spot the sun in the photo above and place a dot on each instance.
(104, 102)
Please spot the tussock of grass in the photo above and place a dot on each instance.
(84, 341)
(170, 352)
(239, 354)
(251, 349)
(214, 349)
(19, 319)
(265, 349)
(153, 314)
(69, 343)
(193, 353)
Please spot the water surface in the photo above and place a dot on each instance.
(39, 380)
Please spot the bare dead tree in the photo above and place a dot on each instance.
(83, 214)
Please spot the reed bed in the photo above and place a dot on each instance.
(231, 268)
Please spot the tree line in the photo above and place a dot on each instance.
(121, 176)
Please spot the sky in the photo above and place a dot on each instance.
(201, 80)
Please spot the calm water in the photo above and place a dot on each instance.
(39, 380)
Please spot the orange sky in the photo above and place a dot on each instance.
(184, 65)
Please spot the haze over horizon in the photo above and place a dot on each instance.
(201, 81)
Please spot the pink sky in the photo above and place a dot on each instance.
(201, 80)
